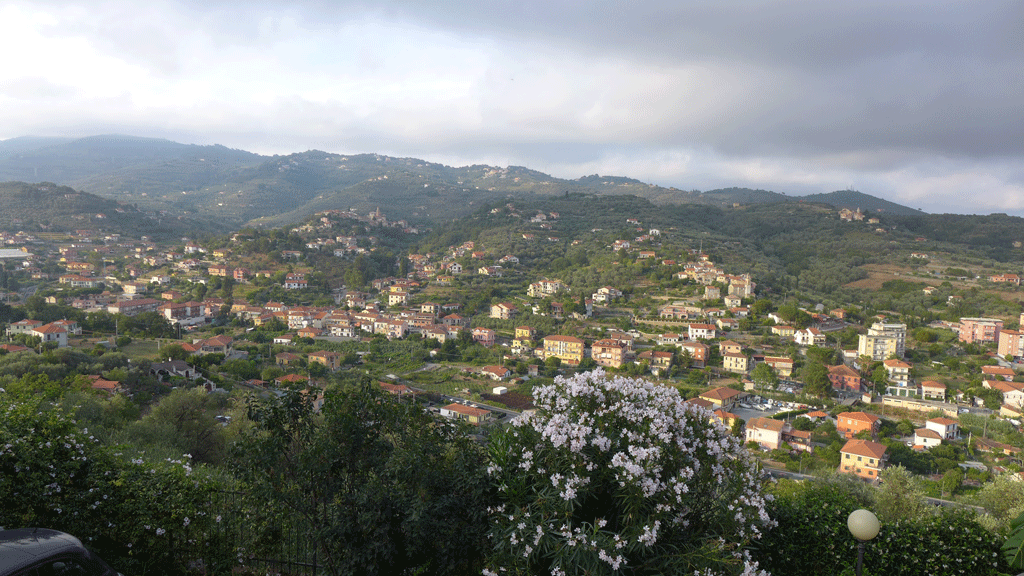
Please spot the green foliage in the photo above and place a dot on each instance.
(378, 486)
(899, 497)
(812, 537)
(184, 423)
(136, 514)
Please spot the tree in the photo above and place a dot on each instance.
(383, 486)
(880, 376)
(952, 480)
(182, 421)
(900, 496)
(816, 381)
(764, 376)
(619, 475)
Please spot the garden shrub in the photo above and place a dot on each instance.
(620, 476)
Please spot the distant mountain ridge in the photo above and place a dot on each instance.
(228, 187)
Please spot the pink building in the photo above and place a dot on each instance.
(980, 330)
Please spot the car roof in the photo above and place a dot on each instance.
(24, 546)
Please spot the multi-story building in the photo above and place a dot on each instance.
(862, 458)
(332, 360)
(981, 330)
(809, 337)
(701, 332)
(608, 352)
(899, 378)
(1011, 343)
(567, 348)
(735, 362)
(850, 423)
(882, 341)
(844, 378)
(698, 352)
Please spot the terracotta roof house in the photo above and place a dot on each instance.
(766, 432)
(845, 378)
(722, 397)
(932, 390)
(926, 438)
(862, 458)
(395, 389)
(467, 413)
(998, 371)
(331, 360)
(496, 372)
(946, 428)
(850, 423)
(291, 379)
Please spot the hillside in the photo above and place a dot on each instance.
(233, 187)
(49, 207)
(868, 204)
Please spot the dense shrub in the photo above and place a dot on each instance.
(812, 537)
(138, 515)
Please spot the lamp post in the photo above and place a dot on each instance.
(864, 526)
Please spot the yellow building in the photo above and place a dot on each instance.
(735, 362)
(569, 349)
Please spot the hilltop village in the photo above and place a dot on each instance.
(471, 328)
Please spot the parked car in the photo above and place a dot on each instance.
(38, 551)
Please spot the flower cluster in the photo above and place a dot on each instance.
(608, 474)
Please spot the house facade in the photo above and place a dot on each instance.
(862, 458)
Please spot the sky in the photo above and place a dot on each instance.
(917, 102)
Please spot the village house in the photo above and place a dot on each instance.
(782, 365)
(496, 372)
(722, 397)
(484, 336)
(503, 310)
(1005, 279)
(845, 379)
(772, 434)
(331, 360)
(997, 372)
(862, 458)
(899, 378)
(809, 337)
(698, 352)
(701, 332)
(469, 414)
(783, 330)
(932, 390)
(295, 281)
(851, 423)
(607, 352)
(735, 362)
(48, 333)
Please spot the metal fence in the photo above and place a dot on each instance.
(250, 540)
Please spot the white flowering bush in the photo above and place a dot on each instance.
(619, 476)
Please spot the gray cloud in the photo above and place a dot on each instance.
(915, 101)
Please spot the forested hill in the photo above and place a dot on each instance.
(869, 205)
(47, 207)
(235, 187)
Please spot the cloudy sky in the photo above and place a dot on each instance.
(919, 102)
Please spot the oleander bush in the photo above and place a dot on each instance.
(620, 476)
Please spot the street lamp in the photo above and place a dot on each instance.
(864, 526)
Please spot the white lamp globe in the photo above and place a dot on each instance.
(863, 524)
